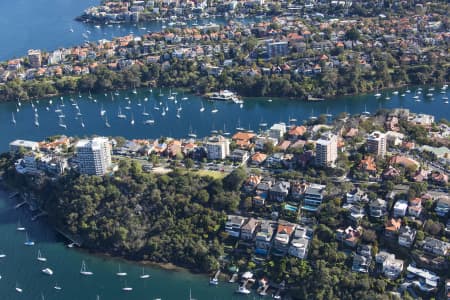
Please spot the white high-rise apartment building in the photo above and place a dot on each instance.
(94, 155)
(217, 147)
(376, 143)
(326, 150)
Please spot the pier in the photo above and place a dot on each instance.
(74, 242)
(41, 214)
(233, 278)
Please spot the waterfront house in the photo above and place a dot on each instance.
(263, 240)
(299, 244)
(435, 246)
(14, 65)
(313, 197)
(248, 231)
(277, 130)
(406, 236)
(18, 145)
(279, 191)
(377, 208)
(234, 224)
(282, 238)
(390, 266)
(243, 139)
(400, 208)
(296, 132)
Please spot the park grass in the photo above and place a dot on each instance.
(211, 173)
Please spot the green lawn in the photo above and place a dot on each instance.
(213, 174)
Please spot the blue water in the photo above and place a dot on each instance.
(229, 116)
(46, 24)
(22, 268)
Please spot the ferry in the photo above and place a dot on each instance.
(224, 95)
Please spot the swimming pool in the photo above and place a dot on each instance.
(290, 207)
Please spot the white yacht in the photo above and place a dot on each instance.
(127, 288)
(47, 271)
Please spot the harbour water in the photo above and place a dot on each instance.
(21, 268)
(49, 22)
(189, 120)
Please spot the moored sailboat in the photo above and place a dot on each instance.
(144, 275)
(28, 242)
(120, 272)
(84, 271)
(40, 257)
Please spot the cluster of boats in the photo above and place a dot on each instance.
(417, 94)
(125, 110)
(84, 271)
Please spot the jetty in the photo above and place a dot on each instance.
(41, 214)
(233, 278)
(215, 279)
(311, 98)
(73, 240)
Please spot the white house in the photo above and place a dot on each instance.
(400, 208)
